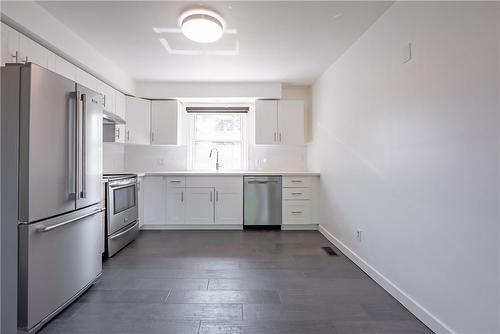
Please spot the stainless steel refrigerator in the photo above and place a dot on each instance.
(55, 127)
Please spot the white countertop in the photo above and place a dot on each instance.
(225, 173)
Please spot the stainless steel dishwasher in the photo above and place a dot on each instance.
(262, 201)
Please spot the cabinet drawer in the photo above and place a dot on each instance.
(296, 181)
(296, 212)
(296, 193)
(176, 181)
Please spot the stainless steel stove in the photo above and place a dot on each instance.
(122, 211)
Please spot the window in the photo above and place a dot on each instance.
(225, 132)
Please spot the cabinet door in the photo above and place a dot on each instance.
(296, 212)
(199, 205)
(229, 206)
(87, 80)
(164, 123)
(266, 122)
(120, 104)
(66, 69)
(31, 51)
(291, 122)
(154, 200)
(10, 44)
(108, 97)
(138, 114)
(175, 205)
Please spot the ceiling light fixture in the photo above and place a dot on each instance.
(202, 25)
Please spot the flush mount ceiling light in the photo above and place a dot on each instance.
(202, 25)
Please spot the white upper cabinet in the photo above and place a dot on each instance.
(66, 69)
(138, 116)
(10, 44)
(108, 97)
(279, 122)
(120, 101)
(165, 122)
(31, 51)
(199, 205)
(87, 80)
(291, 122)
(266, 122)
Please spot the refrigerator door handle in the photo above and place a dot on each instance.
(53, 227)
(78, 145)
(72, 143)
(84, 147)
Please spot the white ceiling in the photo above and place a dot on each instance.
(292, 42)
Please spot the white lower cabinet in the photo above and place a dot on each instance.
(218, 200)
(185, 200)
(199, 206)
(154, 200)
(229, 205)
(296, 212)
(175, 205)
(298, 193)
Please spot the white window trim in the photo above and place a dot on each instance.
(190, 135)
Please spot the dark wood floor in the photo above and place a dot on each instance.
(264, 282)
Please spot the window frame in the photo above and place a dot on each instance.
(191, 123)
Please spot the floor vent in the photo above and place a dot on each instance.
(329, 251)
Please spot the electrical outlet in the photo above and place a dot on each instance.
(359, 235)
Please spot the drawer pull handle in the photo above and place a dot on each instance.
(296, 193)
(124, 232)
(296, 212)
(53, 227)
(296, 181)
(175, 181)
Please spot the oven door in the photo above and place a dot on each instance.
(122, 206)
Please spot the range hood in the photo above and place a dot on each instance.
(110, 118)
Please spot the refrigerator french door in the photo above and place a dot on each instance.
(59, 189)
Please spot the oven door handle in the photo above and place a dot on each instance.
(124, 232)
(119, 183)
(120, 186)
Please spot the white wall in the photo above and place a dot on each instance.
(113, 158)
(150, 158)
(410, 154)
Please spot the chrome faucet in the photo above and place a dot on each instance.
(217, 164)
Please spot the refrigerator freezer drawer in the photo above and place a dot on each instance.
(58, 259)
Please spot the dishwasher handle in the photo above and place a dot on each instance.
(261, 182)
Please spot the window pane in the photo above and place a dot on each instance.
(217, 127)
(229, 155)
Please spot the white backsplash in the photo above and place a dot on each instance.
(146, 158)
(113, 157)
(277, 158)
(150, 158)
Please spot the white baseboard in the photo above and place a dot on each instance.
(192, 227)
(299, 227)
(412, 305)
